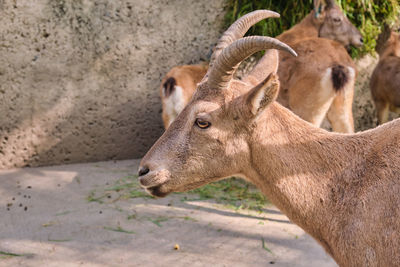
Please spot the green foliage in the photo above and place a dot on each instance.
(233, 192)
(368, 16)
(291, 11)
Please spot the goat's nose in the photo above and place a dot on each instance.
(143, 171)
(362, 40)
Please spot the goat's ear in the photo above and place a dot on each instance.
(259, 97)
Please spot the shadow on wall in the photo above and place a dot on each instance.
(79, 79)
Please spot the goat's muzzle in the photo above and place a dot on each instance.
(143, 171)
(153, 180)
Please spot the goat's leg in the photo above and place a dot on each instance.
(311, 102)
(382, 109)
(340, 114)
(166, 119)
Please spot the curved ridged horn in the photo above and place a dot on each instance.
(238, 29)
(229, 59)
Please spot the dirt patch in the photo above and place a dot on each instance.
(86, 214)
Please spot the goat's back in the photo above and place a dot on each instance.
(371, 231)
(315, 57)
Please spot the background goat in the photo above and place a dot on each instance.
(320, 81)
(177, 88)
(385, 80)
(342, 189)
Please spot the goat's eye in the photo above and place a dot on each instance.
(202, 123)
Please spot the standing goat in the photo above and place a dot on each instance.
(320, 81)
(342, 189)
(177, 88)
(385, 80)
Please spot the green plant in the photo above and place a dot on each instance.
(118, 229)
(6, 255)
(233, 192)
(368, 16)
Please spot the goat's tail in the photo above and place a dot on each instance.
(340, 76)
(169, 86)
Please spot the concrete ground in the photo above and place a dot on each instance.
(80, 215)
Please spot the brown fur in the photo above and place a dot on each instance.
(187, 77)
(385, 80)
(301, 78)
(342, 189)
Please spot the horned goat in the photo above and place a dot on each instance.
(342, 189)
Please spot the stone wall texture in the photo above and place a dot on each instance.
(79, 79)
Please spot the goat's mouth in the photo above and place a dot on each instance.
(154, 183)
(157, 191)
(353, 45)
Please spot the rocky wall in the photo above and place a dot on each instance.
(79, 79)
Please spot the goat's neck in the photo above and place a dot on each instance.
(307, 28)
(296, 165)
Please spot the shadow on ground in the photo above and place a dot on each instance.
(54, 216)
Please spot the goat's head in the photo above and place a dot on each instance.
(335, 25)
(207, 141)
(388, 42)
